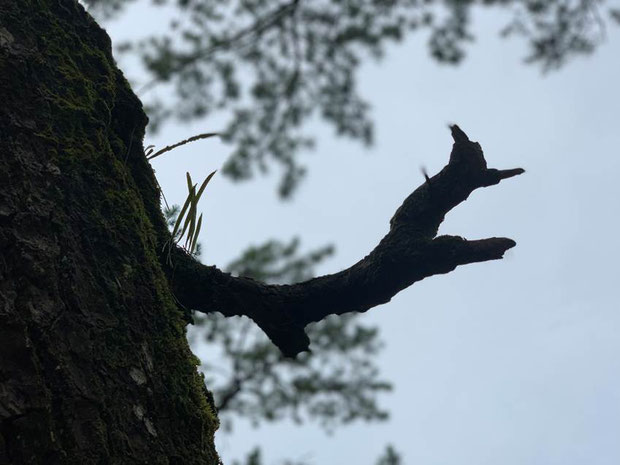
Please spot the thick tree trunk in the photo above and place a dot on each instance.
(94, 363)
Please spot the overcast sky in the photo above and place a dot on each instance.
(508, 362)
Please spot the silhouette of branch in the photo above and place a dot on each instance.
(410, 252)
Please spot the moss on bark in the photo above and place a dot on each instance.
(95, 366)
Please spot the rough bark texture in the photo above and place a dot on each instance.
(94, 363)
(410, 252)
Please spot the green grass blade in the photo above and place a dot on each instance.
(192, 226)
(204, 184)
(189, 180)
(191, 214)
(177, 224)
(192, 245)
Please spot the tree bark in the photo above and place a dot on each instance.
(94, 363)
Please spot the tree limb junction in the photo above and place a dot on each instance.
(410, 252)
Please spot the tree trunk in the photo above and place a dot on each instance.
(94, 363)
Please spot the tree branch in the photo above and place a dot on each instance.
(410, 252)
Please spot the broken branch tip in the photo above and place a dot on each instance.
(458, 134)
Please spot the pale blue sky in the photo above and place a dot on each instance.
(510, 362)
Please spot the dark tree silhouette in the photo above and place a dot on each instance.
(410, 252)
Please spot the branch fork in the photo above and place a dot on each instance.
(410, 252)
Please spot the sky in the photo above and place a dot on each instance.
(513, 361)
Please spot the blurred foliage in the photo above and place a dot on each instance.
(278, 263)
(389, 457)
(254, 458)
(335, 384)
(272, 65)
